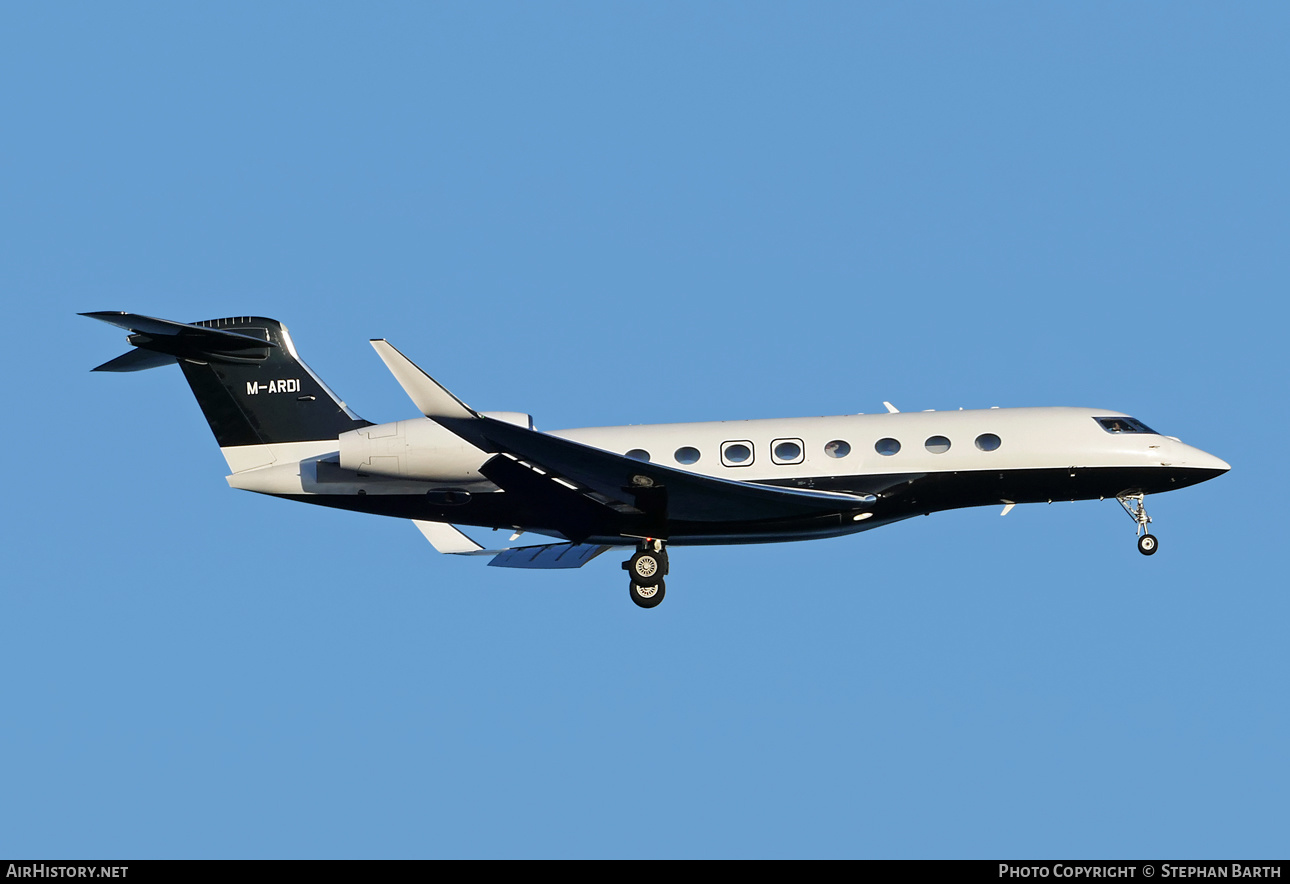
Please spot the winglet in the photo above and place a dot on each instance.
(446, 538)
(424, 391)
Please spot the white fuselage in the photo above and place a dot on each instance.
(944, 459)
(1029, 438)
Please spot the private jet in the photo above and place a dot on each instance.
(644, 488)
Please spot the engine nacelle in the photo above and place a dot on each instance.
(412, 449)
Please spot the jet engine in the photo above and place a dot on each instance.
(419, 449)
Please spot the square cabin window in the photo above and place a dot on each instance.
(787, 451)
(737, 454)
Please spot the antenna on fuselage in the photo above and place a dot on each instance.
(891, 409)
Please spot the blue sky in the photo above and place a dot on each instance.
(631, 213)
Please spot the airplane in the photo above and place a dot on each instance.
(645, 488)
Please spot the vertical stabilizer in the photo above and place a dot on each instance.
(251, 384)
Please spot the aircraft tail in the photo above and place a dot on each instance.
(246, 375)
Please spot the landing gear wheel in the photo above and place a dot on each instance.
(647, 567)
(1136, 506)
(648, 596)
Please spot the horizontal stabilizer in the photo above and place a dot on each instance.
(137, 360)
(179, 337)
(548, 557)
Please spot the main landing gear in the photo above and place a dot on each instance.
(647, 568)
(1135, 506)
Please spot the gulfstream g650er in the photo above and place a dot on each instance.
(283, 432)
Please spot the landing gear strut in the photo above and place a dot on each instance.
(647, 567)
(1135, 506)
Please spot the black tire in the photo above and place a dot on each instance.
(1148, 544)
(646, 567)
(648, 596)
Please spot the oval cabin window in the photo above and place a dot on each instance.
(687, 455)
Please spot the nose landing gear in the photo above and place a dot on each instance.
(1135, 506)
(647, 567)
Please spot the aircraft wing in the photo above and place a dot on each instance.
(649, 487)
(449, 539)
(549, 556)
(539, 464)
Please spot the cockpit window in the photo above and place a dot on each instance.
(1124, 425)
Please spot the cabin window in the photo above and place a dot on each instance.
(937, 444)
(638, 454)
(837, 448)
(687, 455)
(1124, 425)
(886, 447)
(737, 454)
(988, 442)
(786, 451)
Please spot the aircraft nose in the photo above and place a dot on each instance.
(1203, 460)
(1210, 462)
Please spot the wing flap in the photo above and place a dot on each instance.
(552, 556)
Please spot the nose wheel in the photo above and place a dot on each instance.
(1135, 506)
(647, 568)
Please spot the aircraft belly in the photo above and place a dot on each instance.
(900, 496)
(932, 492)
